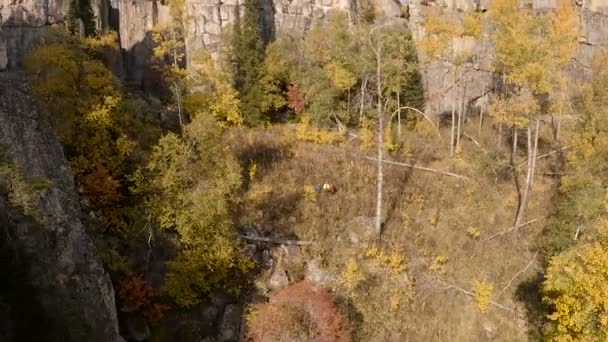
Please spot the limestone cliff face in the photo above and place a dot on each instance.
(479, 81)
(22, 23)
(63, 269)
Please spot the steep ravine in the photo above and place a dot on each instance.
(62, 292)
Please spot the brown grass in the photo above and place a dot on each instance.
(425, 216)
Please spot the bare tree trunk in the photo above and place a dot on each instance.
(460, 105)
(452, 137)
(559, 123)
(399, 117)
(348, 107)
(378, 227)
(535, 151)
(514, 141)
(481, 108)
(363, 85)
(524, 198)
(178, 98)
(499, 143)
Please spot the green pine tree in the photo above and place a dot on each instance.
(81, 9)
(73, 16)
(88, 18)
(247, 59)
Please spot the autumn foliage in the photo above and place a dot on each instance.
(137, 296)
(295, 100)
(303, 310)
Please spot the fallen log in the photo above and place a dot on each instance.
(422, 168)
(276, 241)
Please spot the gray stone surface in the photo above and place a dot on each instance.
(231, 322)
(437, 77)
(76, 293)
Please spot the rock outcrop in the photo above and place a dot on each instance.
(478, 77)
(23, 22)
(63, 270)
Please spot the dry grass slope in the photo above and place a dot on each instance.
(439, 224)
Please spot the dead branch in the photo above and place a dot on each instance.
(418, 111)
(542, 156)
(277, 241)
(472, 295)
(475, 142)
(445, 173)
(517, 274)
(512, 228)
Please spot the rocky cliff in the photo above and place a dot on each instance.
(479, 81)
(61, 278)
(22, 22)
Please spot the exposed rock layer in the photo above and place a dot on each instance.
(64, 270)
(134, 19)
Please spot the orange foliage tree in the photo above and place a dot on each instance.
(303, 310)
(137, 296)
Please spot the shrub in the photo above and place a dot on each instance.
(137, 296)
(302, 310)
(483, 294)
(22, 194)
(305, 132)
(310, 194)
(438, 264)
(473, 232)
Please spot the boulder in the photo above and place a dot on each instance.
(317, 274)
(278, 279)
(231, 323)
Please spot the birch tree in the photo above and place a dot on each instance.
(523, 54)
(170, 52)
(562, 33)
(440, 45)
(377, 49)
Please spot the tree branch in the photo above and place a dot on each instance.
(517, 274)
(277, 241)
(512, 228)
(419, 112)
(427, 169)
(471, 294)
(474, 141)
(542, 156)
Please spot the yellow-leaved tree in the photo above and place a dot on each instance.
(169, 52)
(523, 56)
(83, 100)
(563, 34)
(576, 287)
(190, 185)
(211, 91)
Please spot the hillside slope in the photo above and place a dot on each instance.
(446, 229)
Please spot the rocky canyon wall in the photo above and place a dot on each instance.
(479, 80)
(23, 20)
(63, 280)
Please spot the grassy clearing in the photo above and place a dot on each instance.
(439, 225)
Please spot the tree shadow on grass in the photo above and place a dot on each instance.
(528, 292)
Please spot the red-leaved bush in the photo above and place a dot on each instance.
(295, 100)
(302, 311)
(101, 188)
(137, 296)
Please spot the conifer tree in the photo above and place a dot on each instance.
(81, 10)
(247, 58)
(88, 18)
(73, 16)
